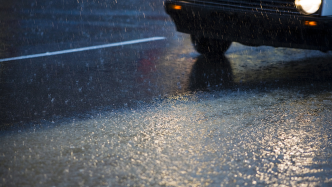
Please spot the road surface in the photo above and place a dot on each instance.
(107, 93)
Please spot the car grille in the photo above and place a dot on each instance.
(273, 6)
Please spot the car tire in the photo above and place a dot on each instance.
(207, 46)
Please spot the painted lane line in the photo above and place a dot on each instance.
(83, 49)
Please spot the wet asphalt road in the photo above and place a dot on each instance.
(154, 113)
(69, 84)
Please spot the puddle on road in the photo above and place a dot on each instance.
(229, 136)
(225, 137)
(268, 64)
(222, 138)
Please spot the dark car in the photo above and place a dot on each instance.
(215, 24)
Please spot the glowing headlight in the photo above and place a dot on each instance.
(308, 6)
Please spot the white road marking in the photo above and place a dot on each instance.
(84, 49)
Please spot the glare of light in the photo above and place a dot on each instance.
(308, 6)
(176, 7)
(310, 23)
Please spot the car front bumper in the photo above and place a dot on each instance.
(252, 27)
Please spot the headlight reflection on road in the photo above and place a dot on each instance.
(179, 142)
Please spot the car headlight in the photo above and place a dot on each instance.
(308, 6)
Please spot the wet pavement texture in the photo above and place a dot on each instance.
(154, 113)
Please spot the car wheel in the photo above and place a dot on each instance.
(209, 46)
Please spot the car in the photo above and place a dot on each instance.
(214, 24)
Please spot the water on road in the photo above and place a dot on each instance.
(227, 138)
(156, 113)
